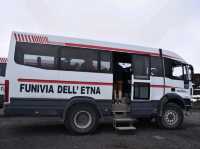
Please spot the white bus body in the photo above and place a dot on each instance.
(49, 75)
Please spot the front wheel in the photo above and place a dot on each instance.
(172, 117)
(81, 119)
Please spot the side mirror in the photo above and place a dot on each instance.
(186, 82)
(191, 69)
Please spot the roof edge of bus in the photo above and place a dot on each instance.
(98, 43)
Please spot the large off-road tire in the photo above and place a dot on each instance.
(172, 117)
(81, 119)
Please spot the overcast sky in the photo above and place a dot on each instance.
(167, 24)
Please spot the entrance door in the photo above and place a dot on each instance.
(141, 78)
(122, 75)
(140, 93)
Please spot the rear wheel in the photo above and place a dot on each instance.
(81, 119)
(172, 117)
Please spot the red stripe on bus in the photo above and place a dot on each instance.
(64, 82)
(115, 49)
(25, 36)
(40, 41)
(34, 38)
(15, 36)
(80, 82)
(109, 49)
(19, 38)
(44, 40)
(22, 38)
(30, 39)
(38, 37)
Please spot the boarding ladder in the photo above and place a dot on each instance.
(121, 119)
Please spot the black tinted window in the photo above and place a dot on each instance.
(2, 69)
(141, 67)
(105, 61)
(36, 55)
(78, 59)
(156, 66)
(141, 90)
(174, 69)
(62, 58)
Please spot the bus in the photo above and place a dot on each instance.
(86, 82)
(3, 62)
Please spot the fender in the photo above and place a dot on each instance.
(170, 97)
(81, 100)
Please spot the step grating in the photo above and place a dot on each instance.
(124, 128)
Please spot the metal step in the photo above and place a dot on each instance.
(123, 123)
(124, 128)
(123, 119)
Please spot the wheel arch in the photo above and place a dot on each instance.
(170, 98)
(80, 100)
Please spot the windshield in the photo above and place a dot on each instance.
(178, 70)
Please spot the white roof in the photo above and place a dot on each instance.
(93, 44)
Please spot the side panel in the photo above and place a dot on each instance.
(30, 82)
(144, 108)
(177, 86)
(48, 107)
(33, 89)
(156, 88)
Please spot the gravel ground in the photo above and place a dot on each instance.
(49, 133)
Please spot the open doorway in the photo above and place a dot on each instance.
(122, 75)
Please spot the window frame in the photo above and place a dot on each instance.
(111, 61)
(59, 60)
(143, 84)
(43, 67)
(21, 61)
(149, 67)
(161, 64)
(171, 66)
(98, 52)
(57, 57)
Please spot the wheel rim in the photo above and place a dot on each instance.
(82, 119)
(171, 117)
